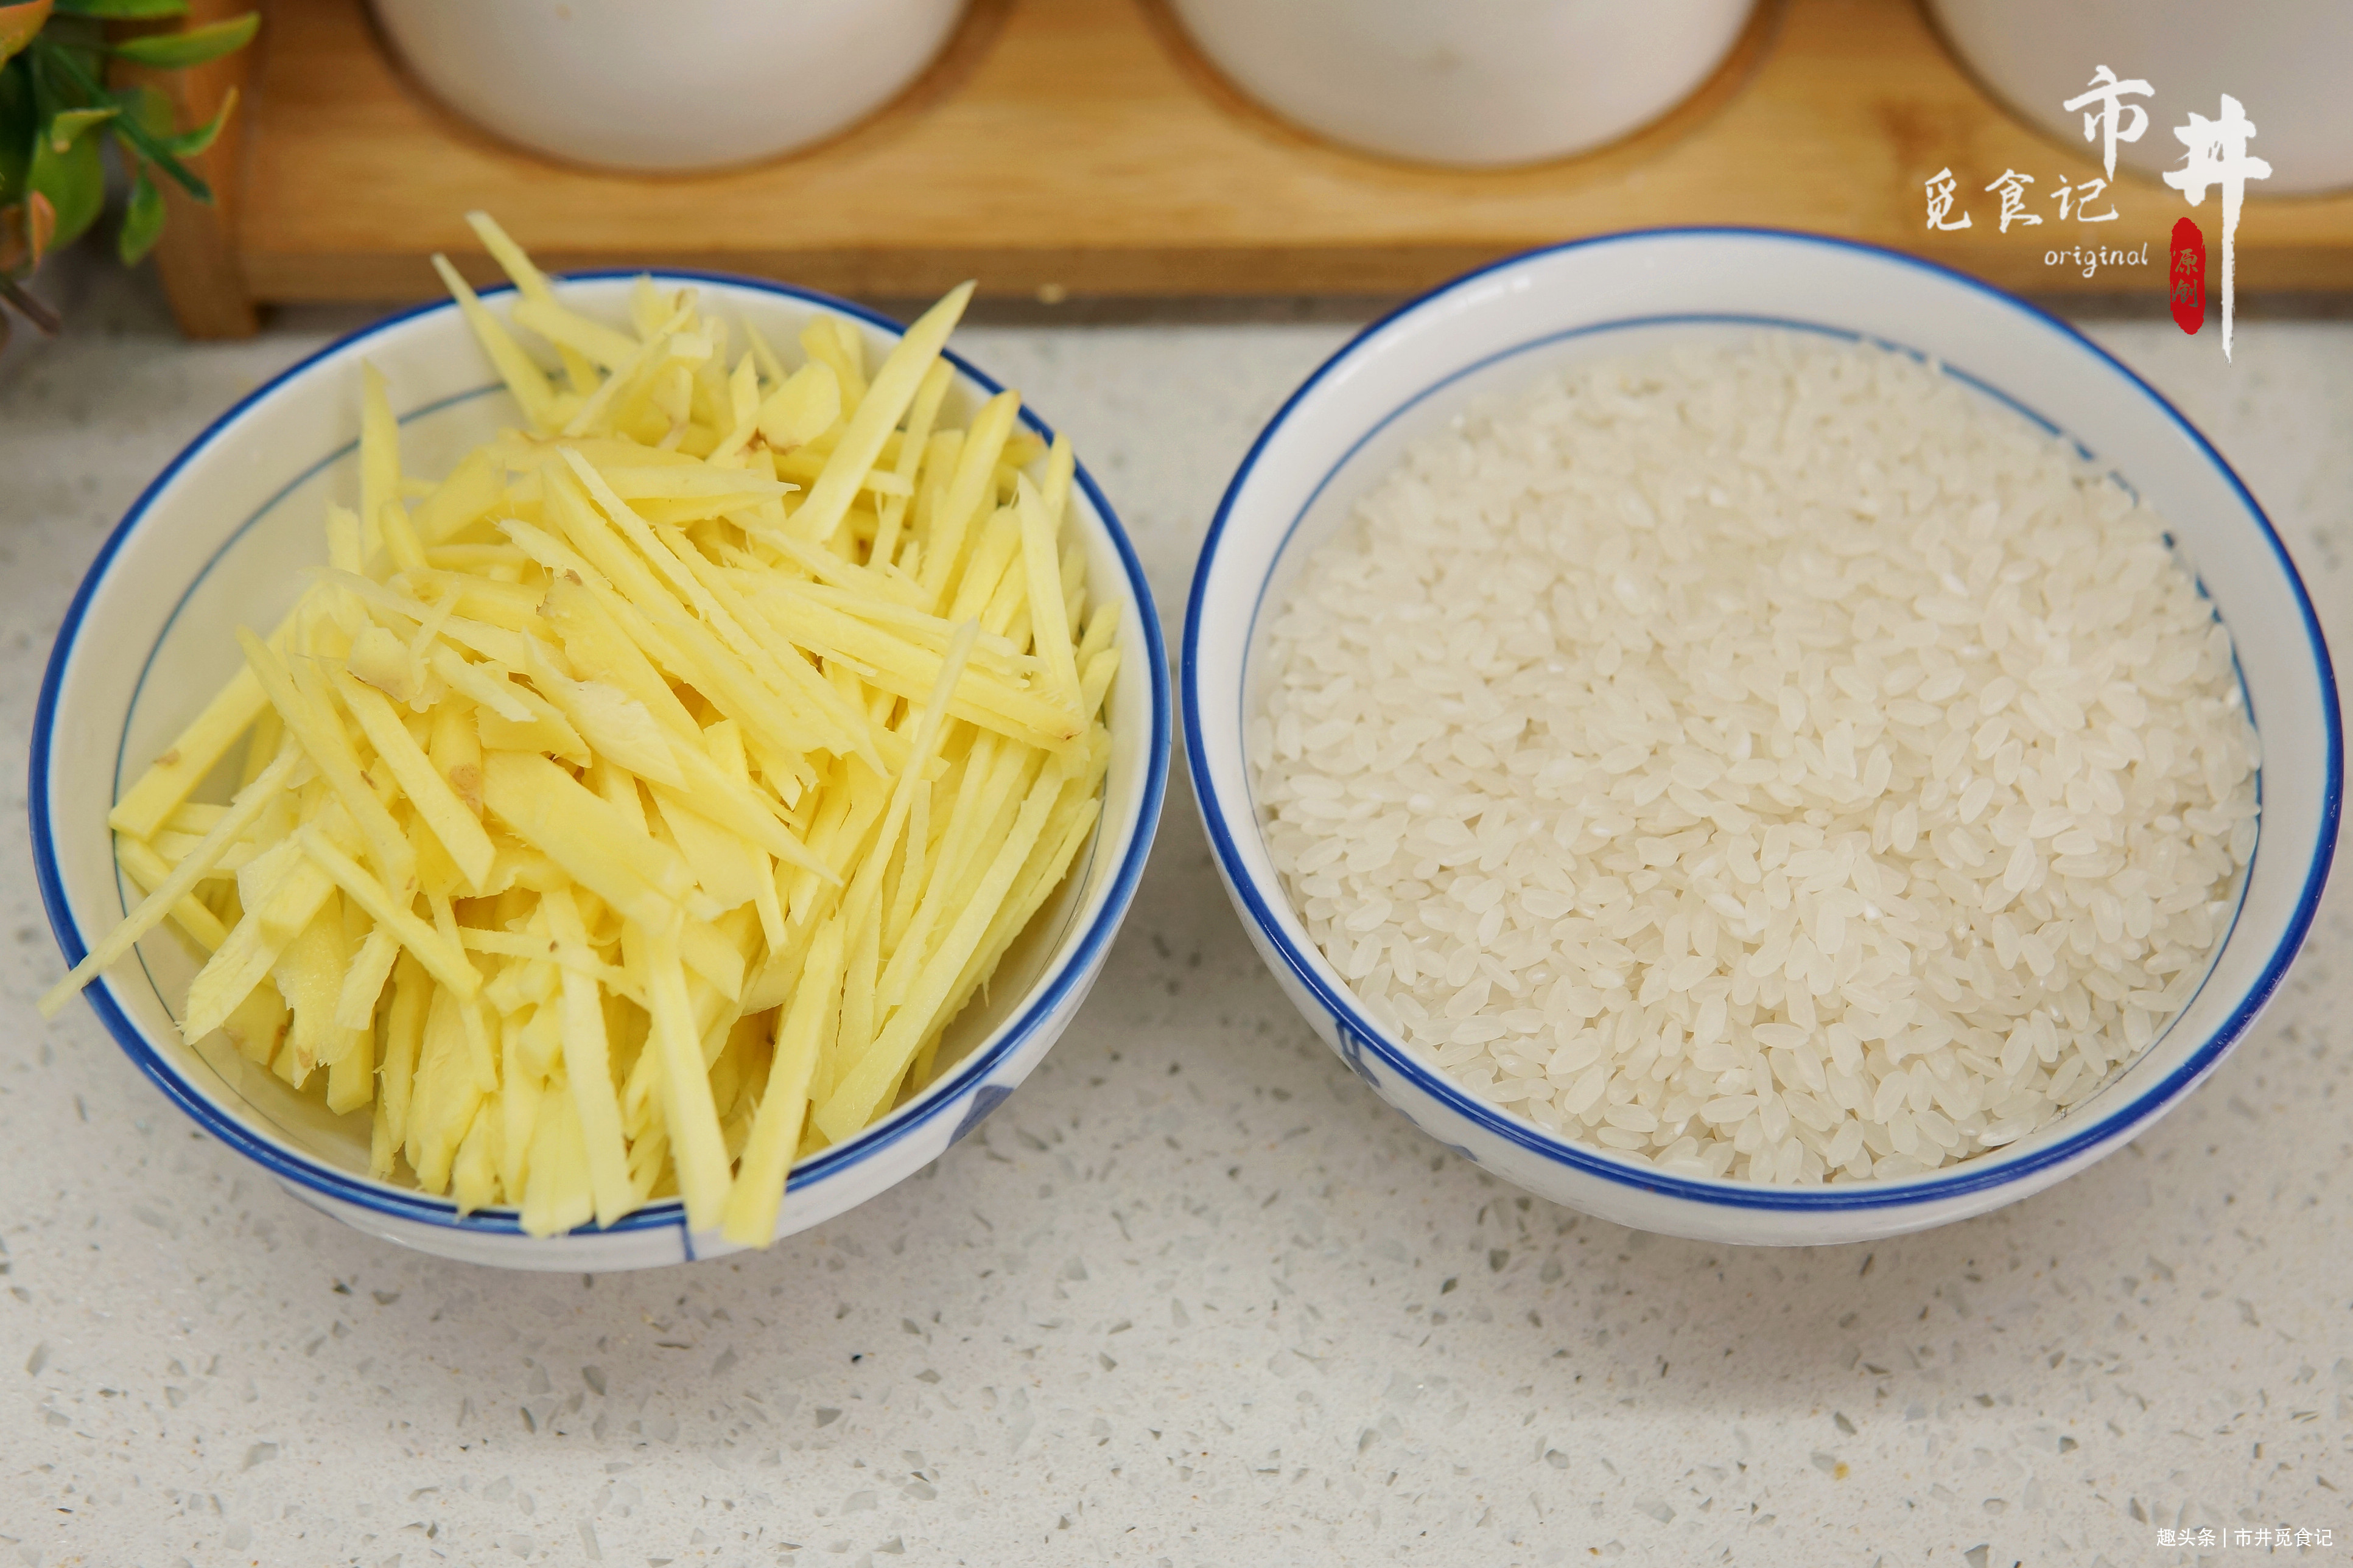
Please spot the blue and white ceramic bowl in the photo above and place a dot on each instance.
(220, 538)
(1495, 331)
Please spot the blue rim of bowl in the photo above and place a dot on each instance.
(1971, 1176)
(380, 1198)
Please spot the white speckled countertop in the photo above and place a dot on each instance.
(1194, 1294)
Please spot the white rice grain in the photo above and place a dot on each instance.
(1772, 761)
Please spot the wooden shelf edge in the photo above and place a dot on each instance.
(1825, 119)
(1164, 271)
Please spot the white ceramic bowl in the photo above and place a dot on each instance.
(1476, 84)
(683, 85)
(2285, 60)
(1494, 331)
(219, 538)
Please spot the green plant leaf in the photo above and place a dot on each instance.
(150, 107)
(124, 10)
(20, 24)
(189, 143)
(74, 181)
(64, 74)
(17, 129)
(69, 126)
(141, 145)
(63, 66)
(174, 51)
(142, 220)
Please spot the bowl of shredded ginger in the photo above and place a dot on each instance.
(606, 771)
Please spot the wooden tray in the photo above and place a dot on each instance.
(1078, 147)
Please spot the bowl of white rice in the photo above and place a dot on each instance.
(1757, 737)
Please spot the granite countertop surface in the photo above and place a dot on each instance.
(1194, 1294)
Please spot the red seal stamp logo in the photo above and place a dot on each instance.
(2186, 275)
